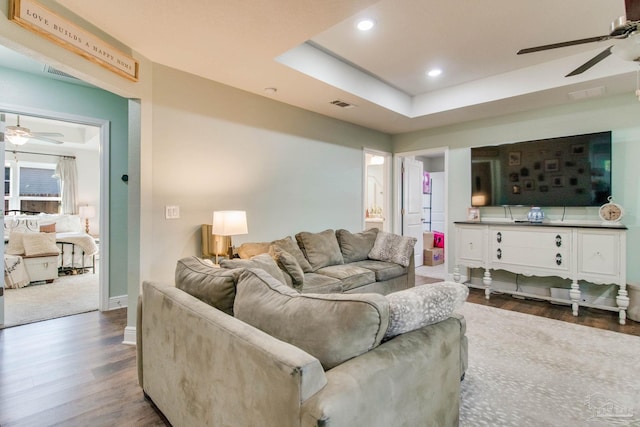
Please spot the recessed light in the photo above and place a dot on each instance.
(435, 72)
(365, 24)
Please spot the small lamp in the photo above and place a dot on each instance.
(478, 200)
(87, 212)
(229, 223)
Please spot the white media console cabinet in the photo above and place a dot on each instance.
(590, 253)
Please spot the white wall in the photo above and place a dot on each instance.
(618, 114)
(218, 148)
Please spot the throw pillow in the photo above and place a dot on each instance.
(15, 245)
(212, 285)
(249, 250)
(40, 244)
(393, 248)
(321, 249)
(331, 327)
(48, 228)
(423, 305)
(263, 261)
(356, 247)
(289, 265)
(289, 245)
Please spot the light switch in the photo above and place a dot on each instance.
(172, 212)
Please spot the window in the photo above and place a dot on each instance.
(32, 187)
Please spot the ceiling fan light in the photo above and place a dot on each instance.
(17, 139)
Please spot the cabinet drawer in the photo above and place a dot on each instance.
(599, 255)
(531, 239)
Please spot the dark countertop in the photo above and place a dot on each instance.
(544, 224)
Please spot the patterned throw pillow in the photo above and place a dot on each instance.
(393, 248)
(423, 305)
(40, 244)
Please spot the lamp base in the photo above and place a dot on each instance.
(86, 225)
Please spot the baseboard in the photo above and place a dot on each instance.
(129, 335)
(118, 302)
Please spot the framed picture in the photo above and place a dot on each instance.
(551, 165)
(515, 189)
(557, 181)
(529, 184)
(473, 214)
(577, 149)
(426, 183)
(514, 158)
(514, 177)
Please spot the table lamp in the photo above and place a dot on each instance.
(87, 212)
(229, 223)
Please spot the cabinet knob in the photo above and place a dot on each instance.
(558, 259)
(499, 253)
(499, 237)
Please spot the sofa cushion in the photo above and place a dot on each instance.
(321, 249)
(287, 244)
(263, 261)
(356, 246)
(393, 248)
(315, 283)
(331, 327)
(212, 285)
(383, 270)
(350, 275)
(289, 265)
(423, 305)
(249, 250)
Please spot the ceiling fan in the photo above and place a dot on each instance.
(18, 135)
(625, 27)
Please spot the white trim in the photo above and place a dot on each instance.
(129, 336)
(115, 303)
(103, 261)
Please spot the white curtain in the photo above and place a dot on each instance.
(66, 171)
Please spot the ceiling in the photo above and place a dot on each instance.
(308, 53)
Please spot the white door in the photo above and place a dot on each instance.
(437, 201)
(412, 213)
(2, 126)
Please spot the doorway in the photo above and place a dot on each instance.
(81, 141)
(422, 178)
(377, 182)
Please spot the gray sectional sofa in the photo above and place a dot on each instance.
(247, 347)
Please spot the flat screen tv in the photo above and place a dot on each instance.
(566, 171)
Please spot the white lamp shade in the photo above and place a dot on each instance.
(87, 211)
(229, 223)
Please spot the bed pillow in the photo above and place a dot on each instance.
(320, 249)
(423, 305)
(48, 228)
(393, 248)
(15, 245)
(331, 327)
(356, 246)
(40, 244)
(69, 224)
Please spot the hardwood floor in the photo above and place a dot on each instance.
(71, 371)
(601, 319)
(75, 371)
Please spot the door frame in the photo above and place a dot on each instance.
(398, 191)
(387, 211)
(104, 150)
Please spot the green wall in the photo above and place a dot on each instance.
(34, 92)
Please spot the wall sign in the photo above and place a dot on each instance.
(35, 17)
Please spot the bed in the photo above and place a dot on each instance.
(77, 249)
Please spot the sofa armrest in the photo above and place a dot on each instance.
(414, 379)
(201, 366)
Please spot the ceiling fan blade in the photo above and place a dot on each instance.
(590, 63)
(45, 139)
(48, 134)
(632, 8)
(563, 44)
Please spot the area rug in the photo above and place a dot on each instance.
(526, 370)
(67, 295)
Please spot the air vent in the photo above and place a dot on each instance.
(342, 104)
(49, 69)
